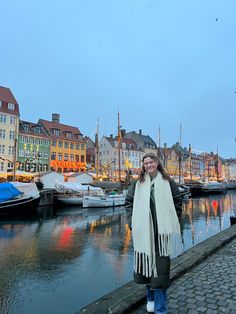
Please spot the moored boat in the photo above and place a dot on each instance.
(106, 200)
(214, 187)
(72, 200)
(18, 197)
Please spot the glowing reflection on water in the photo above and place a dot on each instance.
(59, 262)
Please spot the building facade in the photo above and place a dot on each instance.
(68, 147)
(33, 147)
(9, 124)
(130, 156)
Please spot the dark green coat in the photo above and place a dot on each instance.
(163, 262)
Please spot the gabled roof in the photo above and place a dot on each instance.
(31, 129)
(130, 141)
(48, 125)
(7, 97)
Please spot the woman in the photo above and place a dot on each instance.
(153, 206)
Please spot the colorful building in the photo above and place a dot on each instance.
(33, 147)
(9, 122)
(68, 147)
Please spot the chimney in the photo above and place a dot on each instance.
(140, 132)
(123, 132)
(56, 117)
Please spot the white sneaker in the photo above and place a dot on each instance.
(150, 306)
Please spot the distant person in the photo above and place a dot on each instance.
(154, 204)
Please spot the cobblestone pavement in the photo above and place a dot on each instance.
(210, 287)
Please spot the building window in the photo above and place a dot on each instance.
(65, 157)
(10, 165)
(21, 153)
(59, 156)
(54, 143)
(69, 135)
(60, 144)
(11, 106)
(82, 158)
(38, 130)
(82, 146)
(3, 118)
(2, 133)
(26, 127)
(71, 145)
(2, 149)
(72, 157)
(77, 146)
(12, 120)
(12, 135)
(11, 150)
(66, 144)
(77, 158)
(45, 155)
(55, 132)
(53, 156)
(1, 166)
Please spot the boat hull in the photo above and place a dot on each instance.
(96, 201)
(24, 205)
(72, 201)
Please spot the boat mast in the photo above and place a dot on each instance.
(119, 148)
(159, 142)
(180, 166)
(15, 152)
(190, 161)
(97, 149)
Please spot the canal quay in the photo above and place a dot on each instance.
(64, 259)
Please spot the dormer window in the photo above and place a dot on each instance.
(38, 130)
(68, 134)
(55, 132)
(11, 106)
(26, 127)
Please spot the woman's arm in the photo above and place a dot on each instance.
(177, 198)
(129, 202)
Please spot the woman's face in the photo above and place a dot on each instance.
(150, 165)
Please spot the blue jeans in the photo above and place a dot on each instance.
(159, 296)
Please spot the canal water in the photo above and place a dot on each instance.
(64, 259)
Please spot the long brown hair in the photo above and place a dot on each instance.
(160, 167)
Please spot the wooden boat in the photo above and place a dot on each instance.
(106, 200)
(18, 197)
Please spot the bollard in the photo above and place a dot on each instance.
(232, 220)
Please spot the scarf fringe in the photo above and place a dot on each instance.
(142, 264)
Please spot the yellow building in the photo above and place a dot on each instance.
(9, 123)
(68, 147)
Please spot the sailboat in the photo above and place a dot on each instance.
(112, 198)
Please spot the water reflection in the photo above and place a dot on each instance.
(70, 257)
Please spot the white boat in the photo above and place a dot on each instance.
(106, 200)
(214, 187)
(184, 191)
(231, 184)
(18, 198)
(70, 199)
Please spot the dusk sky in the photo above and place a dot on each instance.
(160, 62)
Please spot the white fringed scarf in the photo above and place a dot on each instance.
(142, 224)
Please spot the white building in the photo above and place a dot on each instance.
(9, 125)
(130, 156)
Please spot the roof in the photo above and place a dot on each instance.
(7, 97)
(48, 125)
(31, 129)
(130, 141)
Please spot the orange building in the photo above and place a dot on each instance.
(68, 147)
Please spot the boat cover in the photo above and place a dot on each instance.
(8, 191)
